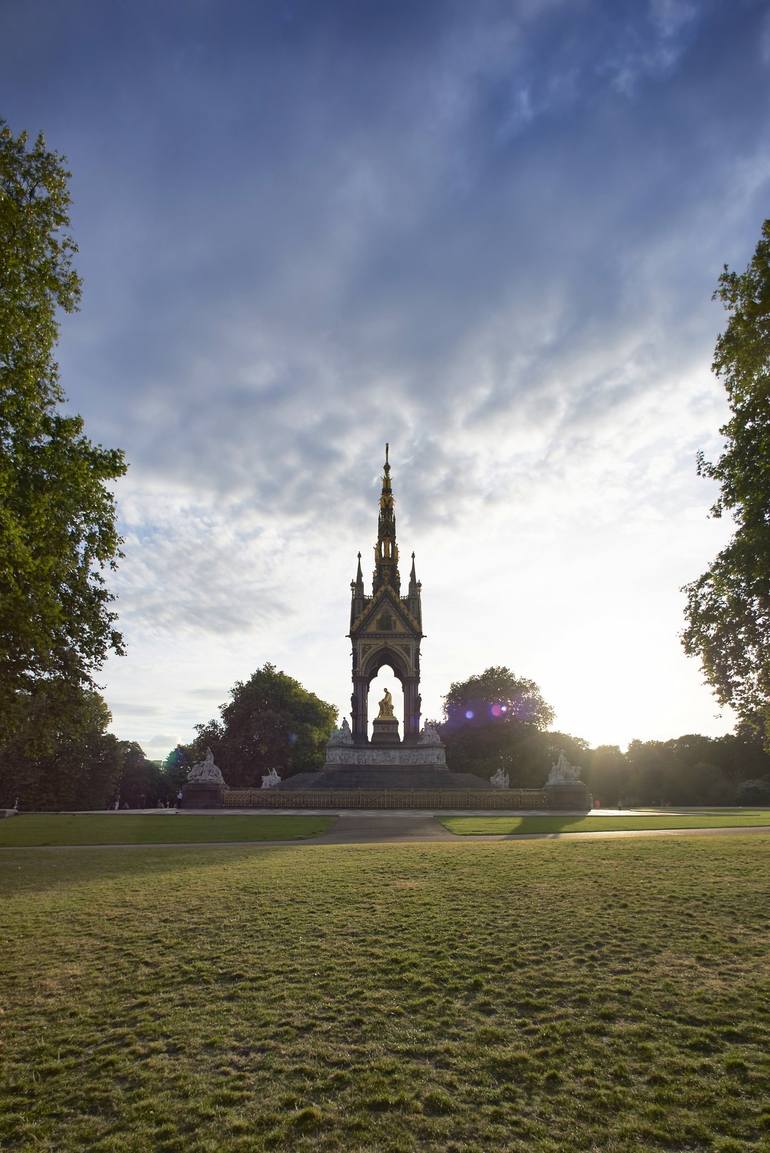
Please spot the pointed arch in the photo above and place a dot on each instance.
(385, 655)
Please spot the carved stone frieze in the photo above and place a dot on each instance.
(424, 755)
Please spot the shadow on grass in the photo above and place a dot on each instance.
(27, 869)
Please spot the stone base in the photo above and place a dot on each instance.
(569, 797)
(368, 778)
(385, 766)
(396, 756)
(385, 731)
(202, 795)
(438, 800)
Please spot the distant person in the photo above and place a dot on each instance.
(179, 799)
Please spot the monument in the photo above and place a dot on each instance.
(385, 629)
(205, 785)
(392, 769)
(564, 787)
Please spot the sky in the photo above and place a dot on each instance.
(488, 233)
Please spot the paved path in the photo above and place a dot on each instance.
(356, 828)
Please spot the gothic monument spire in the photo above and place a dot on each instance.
(386, 628)
(386, 549)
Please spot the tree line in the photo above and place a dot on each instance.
(491, 721)
(496, 720)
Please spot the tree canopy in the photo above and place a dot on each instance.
(60, 755)
(498, 720)
(498, 696)
(57, 513)
(492, 721)
(728, 607)
(142, 782)
(270, 722)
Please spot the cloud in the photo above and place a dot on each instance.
(192, 564)
(161, 741)
(135, 708)
(486, 233)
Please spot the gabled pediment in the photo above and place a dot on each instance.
(385, 614)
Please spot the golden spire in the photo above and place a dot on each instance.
(386, 549)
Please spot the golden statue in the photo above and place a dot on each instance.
(386, 707)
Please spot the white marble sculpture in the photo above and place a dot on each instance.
(206, 772)
(500, 780)
(271, 780)
(342, 735)
(429, 736)
(563, 773)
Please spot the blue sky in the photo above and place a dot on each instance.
(488, 233)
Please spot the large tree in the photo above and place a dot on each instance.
(57, 514)
(494, 720)
(270, 722)
(142, 781)
(60, 755)
(728, 607)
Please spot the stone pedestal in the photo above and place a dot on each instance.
(385, 731)
(202, 795)
(569, 797)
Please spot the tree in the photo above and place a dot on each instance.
(740, 755)
(60, 755)
(497, 695)
(753, 792)
(57, 515)
(495, 720)
(175, 769)
(728, 607)
(606, 774)
(142, 782)
(649, 766)
(270, 722)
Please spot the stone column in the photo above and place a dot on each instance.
(359, 703)
(411, 709)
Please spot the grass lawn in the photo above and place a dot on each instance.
(702, 819)
(153, 829)
(452, 998)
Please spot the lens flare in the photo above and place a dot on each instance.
(469, 714)
(496, 711)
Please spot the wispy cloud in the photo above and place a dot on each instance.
(488, 233)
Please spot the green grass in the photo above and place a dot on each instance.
(703, 819)
(153, 829)
(443, 997)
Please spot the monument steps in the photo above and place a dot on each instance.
(385, 777)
